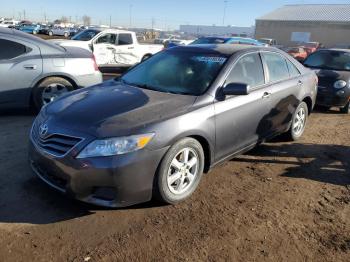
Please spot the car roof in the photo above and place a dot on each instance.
(223, 49)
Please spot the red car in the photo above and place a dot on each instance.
(311, 47)
(299, 53)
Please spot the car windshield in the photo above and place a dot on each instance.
(86, 35)
(177, 71)
(209, 40)
(332, 60)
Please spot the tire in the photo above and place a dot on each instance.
(41, 91)
(35, 32)
(345, 109)
(66, 35)
(295, 133)
(50, 33)
(145, 57)
(182, 188)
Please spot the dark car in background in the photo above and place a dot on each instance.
(333, 70)
(227, 40)
(154, 131)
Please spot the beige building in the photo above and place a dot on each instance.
(290, 25)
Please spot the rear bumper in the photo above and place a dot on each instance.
(89, 80)
(333, 97)
(116, 181)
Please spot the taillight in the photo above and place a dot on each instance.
(94, 62)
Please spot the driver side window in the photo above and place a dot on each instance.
(107, 39)
(248, 70)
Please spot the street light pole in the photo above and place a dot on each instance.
(224, 17)
(130, 14)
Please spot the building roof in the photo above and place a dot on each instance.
(313, 12)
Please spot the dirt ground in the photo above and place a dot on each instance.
(279, 202)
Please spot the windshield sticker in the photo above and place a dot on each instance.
(209, 59)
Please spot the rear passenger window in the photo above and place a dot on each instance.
(276, 66)
(125, 39)
(293, 70)
(10, 49)
(247, 70)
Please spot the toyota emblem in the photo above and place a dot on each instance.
(43, 130)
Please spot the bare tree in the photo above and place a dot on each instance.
(64, 19)
(86, 20)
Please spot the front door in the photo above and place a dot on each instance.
(241, 120)
(104, 49)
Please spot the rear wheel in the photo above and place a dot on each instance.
(345, 109)
(50, 33)
(50, 89)
(299, 120)
(180, 171)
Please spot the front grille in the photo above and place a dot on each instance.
(54, 144)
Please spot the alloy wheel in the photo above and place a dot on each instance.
(183, 171)
(299, 121)
(52, 91)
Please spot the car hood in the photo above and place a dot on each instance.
(327, 78)
(114, 109)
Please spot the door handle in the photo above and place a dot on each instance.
(266, 95)
(110, 48)
(131, 47)
(300, 83)
(30, 67)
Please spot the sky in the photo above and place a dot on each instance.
(165, 14)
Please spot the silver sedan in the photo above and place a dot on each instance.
(35, 72)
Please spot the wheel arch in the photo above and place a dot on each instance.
(42, 78)
(309, 104)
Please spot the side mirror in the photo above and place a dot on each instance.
(236, 89)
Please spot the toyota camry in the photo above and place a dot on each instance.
(154, 131)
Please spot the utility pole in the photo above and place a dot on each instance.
(130, 15)
(24, 14)
(224, 17)
(153, 22)
(110, 21)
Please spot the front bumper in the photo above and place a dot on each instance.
(332, 97)
(116, 181)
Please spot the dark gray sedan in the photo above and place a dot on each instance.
(36, 72)
(156, 130)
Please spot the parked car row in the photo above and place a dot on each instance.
(173, 113)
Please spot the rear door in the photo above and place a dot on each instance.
(20, 65)
(284, 83)
(241, 120)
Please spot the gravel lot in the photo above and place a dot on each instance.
(280, 202)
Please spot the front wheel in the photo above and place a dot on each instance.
(66, 35)
(50, 33)
(180, 171)
(299, 120)
(345, 109)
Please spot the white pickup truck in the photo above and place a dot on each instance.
(111, 47)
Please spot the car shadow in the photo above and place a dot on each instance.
(323, 163)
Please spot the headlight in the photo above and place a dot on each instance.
(340, 84)
(115, 146)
